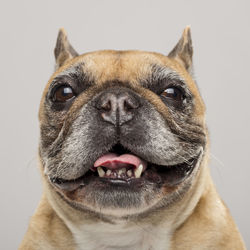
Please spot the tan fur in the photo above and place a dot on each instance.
(47, 230)
(199, 220)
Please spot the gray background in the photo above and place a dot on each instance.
(28, 30)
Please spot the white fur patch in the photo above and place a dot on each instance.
(103, 236)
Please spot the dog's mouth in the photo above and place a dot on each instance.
(121, 166)
(119, 163)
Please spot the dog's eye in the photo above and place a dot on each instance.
(63, 94)
(173, 93)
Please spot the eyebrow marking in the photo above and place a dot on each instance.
(74, 76)
(73, 71)
(160, 77)
(161, 72)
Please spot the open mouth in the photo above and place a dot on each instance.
(119, 163)
(121, 166)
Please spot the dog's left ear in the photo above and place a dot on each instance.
(63, 50)
(183, 51)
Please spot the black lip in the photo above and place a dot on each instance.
(169, 175)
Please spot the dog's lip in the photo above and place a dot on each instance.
(182, 170)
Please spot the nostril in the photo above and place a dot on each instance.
(127, 106)
(106, 106)
(130, 105)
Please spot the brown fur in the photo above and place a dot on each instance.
(199, 220)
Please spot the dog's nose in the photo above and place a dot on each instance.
(117, 108)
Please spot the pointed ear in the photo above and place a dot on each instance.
(183, 51)
(63, 50)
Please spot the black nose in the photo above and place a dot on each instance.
(117, 107)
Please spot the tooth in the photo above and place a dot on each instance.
(108, 173)
(100, 171)
(129, 173)
(138, 171)
(122, 171)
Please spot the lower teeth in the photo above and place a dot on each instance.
(121, 173)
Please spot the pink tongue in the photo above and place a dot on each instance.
(113, 161)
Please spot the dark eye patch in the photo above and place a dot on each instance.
(65, 87)
(170, 86)
(160, 78)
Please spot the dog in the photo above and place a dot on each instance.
(123, 155)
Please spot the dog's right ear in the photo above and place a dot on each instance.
(63, 50)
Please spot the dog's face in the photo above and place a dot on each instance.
(122, 130)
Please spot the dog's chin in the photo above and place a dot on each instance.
(117, 187)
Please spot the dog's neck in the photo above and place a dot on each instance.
(122, 235)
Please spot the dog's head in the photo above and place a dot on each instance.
(122, 130)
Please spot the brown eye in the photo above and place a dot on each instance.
(63, 94)
(173, 94)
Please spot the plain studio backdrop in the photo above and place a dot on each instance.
(28, 31)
